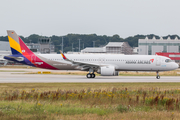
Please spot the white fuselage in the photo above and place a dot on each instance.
(120, 62)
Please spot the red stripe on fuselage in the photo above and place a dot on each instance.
(33, 58)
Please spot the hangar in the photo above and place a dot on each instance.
(151, 46)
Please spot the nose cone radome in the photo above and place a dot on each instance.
(175, 66)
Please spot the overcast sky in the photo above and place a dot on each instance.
(102, 17)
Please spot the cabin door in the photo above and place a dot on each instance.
(33, 58)
(158, 61)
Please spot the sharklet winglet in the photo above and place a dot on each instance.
(64, 57)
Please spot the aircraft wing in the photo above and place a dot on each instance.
(82, 65)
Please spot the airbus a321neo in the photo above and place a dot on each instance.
(104, 64)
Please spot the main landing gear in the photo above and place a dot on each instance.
(90, 75)
(158, 77)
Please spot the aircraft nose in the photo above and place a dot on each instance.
(176, 66)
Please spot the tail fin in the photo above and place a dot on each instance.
(14, 42)
(18, 47)
(21, 53)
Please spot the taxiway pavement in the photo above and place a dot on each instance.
(9, 75)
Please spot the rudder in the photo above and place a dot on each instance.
(14, 42)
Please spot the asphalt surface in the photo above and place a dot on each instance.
(18, 76)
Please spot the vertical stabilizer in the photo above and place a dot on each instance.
(22, 54)
(14, 42)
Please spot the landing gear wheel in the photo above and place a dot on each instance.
(89, 75)
(93, 75)
(158, 77)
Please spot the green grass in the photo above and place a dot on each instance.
(89, 101)
(22, 110)
(92, 86)
(18, 107)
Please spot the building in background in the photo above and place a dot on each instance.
(4, 50)
(44, 46)
(34, 47)
(151, 46)
(111, 47)
(94, 50)
(4, 46)
(135, 50)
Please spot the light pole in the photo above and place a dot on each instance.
(94, 43)
(72, 47)
(62, 44)
(79, 44)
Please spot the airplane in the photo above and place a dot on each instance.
(104, 64)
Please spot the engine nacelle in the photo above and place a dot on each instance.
(108, 71)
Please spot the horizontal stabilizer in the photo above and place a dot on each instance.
(16, 58)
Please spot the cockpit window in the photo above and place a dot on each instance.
(168, 60)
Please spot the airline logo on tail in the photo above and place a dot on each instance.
(64, 57)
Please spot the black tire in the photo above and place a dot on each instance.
(158, 77)
(88, 75)
(93, 75)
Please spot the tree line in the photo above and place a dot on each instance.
(86, 40)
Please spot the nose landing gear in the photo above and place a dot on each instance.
(157, 77)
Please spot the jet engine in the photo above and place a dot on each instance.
(108, 71)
